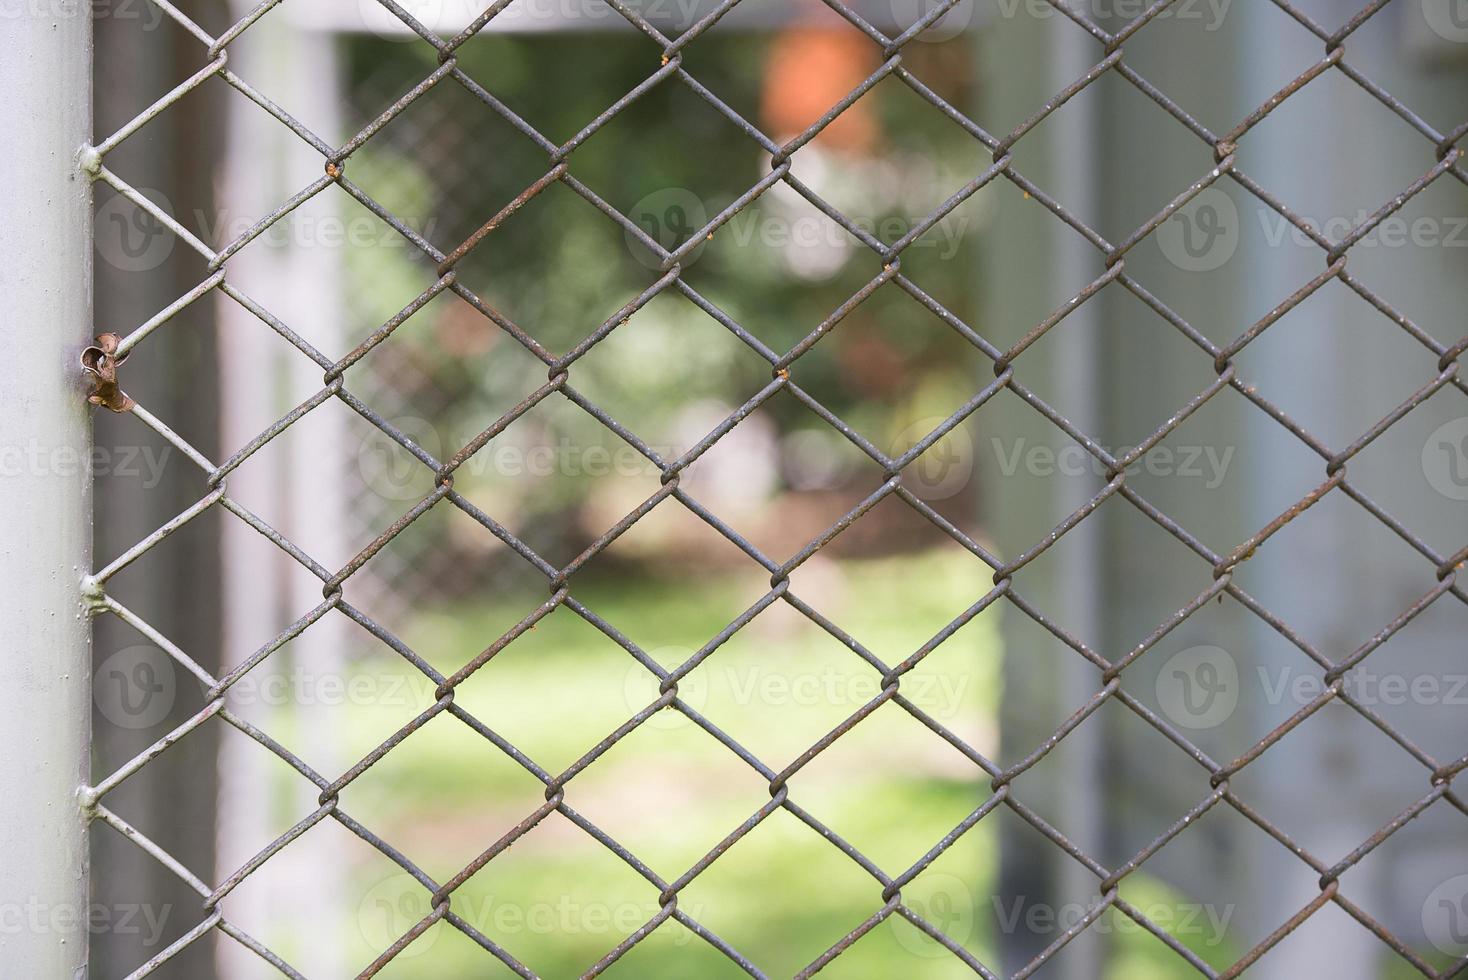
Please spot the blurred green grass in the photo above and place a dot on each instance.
(559, 900)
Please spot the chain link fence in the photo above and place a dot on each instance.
(670, 56)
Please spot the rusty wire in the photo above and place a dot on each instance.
(1442, 157)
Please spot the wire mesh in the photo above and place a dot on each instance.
(666, 55)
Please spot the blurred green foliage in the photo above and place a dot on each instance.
(559, 268)
(559, 900)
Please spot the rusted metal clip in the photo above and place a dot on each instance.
(101, 361)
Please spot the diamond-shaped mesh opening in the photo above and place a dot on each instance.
(805, 927)
(1355, 331)
(1295, 123)
(1204, 929)
(1161, 161)
(890, 750)
(1406, 683)
(640, 791)
(558, 690)
(1397, 576)
(1344, 736)
(627, 374)
(1418, 906)
(407, 170)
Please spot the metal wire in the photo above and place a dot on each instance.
(1441, 158)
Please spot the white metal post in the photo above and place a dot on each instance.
(45, 486)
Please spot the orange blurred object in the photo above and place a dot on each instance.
(811, 69)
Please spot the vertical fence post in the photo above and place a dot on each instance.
(1027, 57)
(45, 486)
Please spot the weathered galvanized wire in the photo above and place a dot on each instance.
(1441, 158)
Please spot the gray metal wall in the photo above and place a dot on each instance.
(1336, 365)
